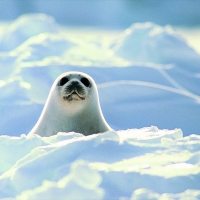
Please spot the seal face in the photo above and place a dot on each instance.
(72, 105)
(73, 88)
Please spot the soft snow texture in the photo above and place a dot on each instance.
(145, 163)
(146, 75)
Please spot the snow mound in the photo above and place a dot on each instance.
(121, 164)
(42, 49)
(24, 27)
(149, 77)
(148, 42)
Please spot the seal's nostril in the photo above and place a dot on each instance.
(74, 83)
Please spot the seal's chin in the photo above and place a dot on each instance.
(73, 97)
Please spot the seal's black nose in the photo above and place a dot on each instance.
(74, 83)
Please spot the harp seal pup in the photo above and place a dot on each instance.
(72, 105)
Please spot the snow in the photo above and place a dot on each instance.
(148, 83)
(101, 166)
(154, 68)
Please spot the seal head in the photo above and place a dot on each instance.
(72, 105)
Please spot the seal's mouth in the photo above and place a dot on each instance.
(74, 96)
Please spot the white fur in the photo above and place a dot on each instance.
(83, 116)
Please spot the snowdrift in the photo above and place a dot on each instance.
(146, 75)
(145, 163)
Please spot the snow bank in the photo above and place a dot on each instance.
(24, 27)
(148, 42)
(147, 75)
(138, 163)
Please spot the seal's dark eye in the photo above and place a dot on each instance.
(63, 81)
(85, 82)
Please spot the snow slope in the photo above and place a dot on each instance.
(145, 163)
(147, 76)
